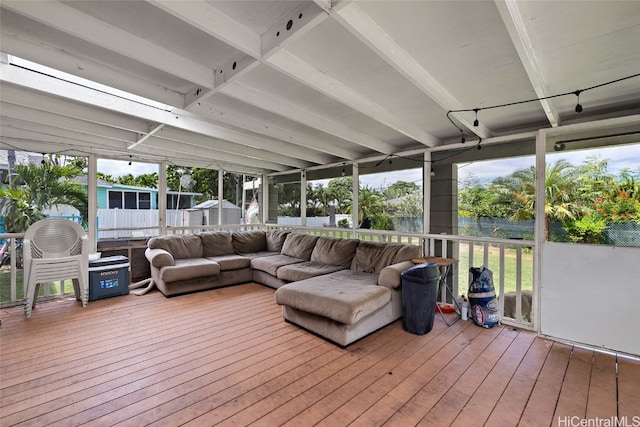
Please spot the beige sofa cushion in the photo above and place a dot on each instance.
(249, 241)
(345, 296)
(231, 262)
(305, 270)
(159, 257)
(372, 257)
(390, 276)
(407, 253)
(186, 269)
(275, 239)
(180, 246)
(333, 251)
(216, 243)
(299, 246)
(253, 255)
(271, 264)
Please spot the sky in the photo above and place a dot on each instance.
(620, 157)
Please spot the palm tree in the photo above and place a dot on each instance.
(561, 195)
(38, 188)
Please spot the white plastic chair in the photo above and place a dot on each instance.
(55, 249)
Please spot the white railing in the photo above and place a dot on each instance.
(511, 261)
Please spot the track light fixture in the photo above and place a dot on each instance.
(129, 159)
(433, 172)
(344, 170)
(476, 123)
(42, 162)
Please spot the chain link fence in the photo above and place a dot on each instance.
(623, 234)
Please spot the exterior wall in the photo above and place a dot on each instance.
(443, 200)
(589, 294)
(102, 198)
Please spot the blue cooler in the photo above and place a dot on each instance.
(108, 277)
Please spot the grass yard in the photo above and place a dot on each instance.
(494, 265)
(5, 286)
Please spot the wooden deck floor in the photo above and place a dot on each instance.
(226, 357)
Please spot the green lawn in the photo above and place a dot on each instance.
(494, 266)
(5, 286)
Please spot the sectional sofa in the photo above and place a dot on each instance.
(341, 289)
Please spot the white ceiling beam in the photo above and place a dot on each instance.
(324, 4)
(79, 24)
(62, 122)
(142, 137)
(222, 114)
(357, 22)
(25, 140)
(512, 19)
(212, 153)
(295, 67)
(51, 134)
(206, 18)
(43, 102)
(231, 148)
(196, 95)
(176, 118)
(212, 21)
(32, 137)
(291, 28)
(69, 62)
(283, 107)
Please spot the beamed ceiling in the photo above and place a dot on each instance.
(261, 87)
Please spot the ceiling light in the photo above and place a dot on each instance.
(578, 106)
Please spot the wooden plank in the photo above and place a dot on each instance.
(514, 399)
(373, 383)
(136, 381)
(542, 401)
(373, 365)
(479, 407)
(602, 400)
(302, 386)
(628, 386)
(450, 405)
(414, 410)
(421, 373)
(226, 356)
(572, 401)
(110, 347)
(301, 379)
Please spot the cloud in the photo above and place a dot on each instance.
(117, 168)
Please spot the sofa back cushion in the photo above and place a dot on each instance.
(299, 246)
(407, 253)
(333, 251)
(372, 257)
(180, 246)
(216, 243)
(275, 239)
(249, 241)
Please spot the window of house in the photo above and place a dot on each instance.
(129, 200)
(144, 200)
(115, 200)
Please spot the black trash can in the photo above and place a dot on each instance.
(419, 293)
